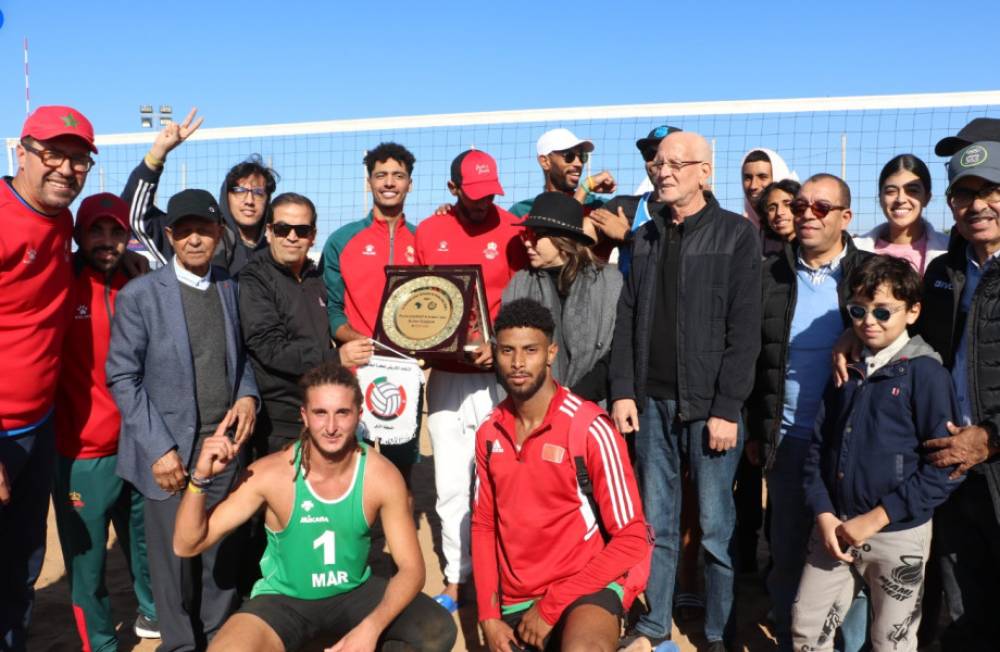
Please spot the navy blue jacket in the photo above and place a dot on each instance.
(867, 448)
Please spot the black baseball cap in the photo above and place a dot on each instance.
(977, 130)
(193, 203)
(655, 136)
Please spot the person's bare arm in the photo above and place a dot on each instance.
(197, 529)
(401, 537)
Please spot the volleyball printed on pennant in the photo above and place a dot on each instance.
(385, 400)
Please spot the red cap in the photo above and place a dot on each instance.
(93, 208)
(54, 121)
(475, 172)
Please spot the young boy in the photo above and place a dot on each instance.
(866, 480)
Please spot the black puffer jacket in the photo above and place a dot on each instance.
(941, 326)
(778, 296)
(285, 328)
(718, 314)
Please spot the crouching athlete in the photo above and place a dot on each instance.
(321, 496)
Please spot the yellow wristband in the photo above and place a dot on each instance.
(588, 183)
(194, 489)
(152, 161)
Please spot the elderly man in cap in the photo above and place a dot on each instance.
(961, 320)
(461, 394)
(177, 369)
(87, 495)
(53, 158)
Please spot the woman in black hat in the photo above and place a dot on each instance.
(579, 290)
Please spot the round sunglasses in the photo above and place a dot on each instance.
(880, 313)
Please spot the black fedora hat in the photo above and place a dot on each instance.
(558, 212)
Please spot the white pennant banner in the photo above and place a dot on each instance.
(391, 388)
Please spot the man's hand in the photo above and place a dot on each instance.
(829, 525)
(169, 473)
(134, 264)
(216, 452)
(244, 412)
(613, 227)
(482, 357)
(845, 351)
(602, 182)
(751, 450)
(722, 434)
(173, 135)
(356, 353)
(5, 487)
(532, 629)
(360, 639)
(499, 635)
(965, 448)
(443, 209)
(859, 529)
(625, 415)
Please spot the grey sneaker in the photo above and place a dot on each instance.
(146, 628)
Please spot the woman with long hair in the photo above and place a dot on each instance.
(579, 290)
(904, 189)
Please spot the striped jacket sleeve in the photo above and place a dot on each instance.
(617, 497)
(144, 217)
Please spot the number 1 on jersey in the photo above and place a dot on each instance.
(329, 547)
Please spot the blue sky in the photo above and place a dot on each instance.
(259, 62)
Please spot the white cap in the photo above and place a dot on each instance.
(559, 140)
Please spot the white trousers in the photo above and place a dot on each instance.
(456, 405)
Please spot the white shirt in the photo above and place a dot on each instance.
(875, 361)
(191, 279)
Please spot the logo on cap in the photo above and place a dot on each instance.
(973, 156)
(211, 209)
(661, 132)
(482, 168)
(69, 120)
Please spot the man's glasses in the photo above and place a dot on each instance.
(819, 208)
(256, 192)
(881, 313)
(53, 158)
(282, 229)
(570, 156)
(675, 166)
(963, 197)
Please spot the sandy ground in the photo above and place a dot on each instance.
(53, 627)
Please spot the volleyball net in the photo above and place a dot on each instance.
(851, 137)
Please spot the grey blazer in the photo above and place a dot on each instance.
(150, 372)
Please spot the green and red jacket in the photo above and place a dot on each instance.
(353, 264)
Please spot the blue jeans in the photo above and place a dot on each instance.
(791, 525)
(29, 460)
(660, 445)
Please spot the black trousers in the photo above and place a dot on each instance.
(970, 536)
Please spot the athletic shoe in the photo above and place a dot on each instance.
(146, 628)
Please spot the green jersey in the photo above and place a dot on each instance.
(323, 550)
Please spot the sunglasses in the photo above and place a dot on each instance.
(529, 234)
(571, 155)
(819, 208)
(282, 229)
(881, 313)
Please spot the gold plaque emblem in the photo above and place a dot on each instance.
(423, 312)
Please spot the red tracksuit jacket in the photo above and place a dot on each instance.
(534, 535)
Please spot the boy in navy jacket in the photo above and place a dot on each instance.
(866, 479)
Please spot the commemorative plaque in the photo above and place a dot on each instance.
(436, 312)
